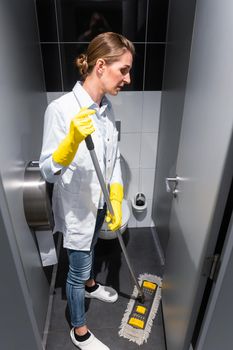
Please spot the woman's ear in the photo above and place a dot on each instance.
(100, 65)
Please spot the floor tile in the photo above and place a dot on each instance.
(104, 319)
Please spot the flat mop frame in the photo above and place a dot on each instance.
(91, 148)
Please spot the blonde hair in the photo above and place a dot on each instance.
(108, 46)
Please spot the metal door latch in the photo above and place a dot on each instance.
(173, 180)
(211, 267)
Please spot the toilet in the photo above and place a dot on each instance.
(105, 233)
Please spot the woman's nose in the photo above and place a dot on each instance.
(127, 79)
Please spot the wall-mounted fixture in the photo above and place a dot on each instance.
(139, 206)
(37, 199)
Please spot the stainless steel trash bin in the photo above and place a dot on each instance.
(37, 198)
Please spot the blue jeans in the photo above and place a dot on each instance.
(80, 270)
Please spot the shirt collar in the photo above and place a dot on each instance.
(82, 96)
(104, 105)
(85, 100)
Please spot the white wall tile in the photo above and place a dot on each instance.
(147, 221)
(130, 149)
(151, 111)
(132, 221)
(146, 182)
(132, 184)
(148, 150)
(127, 107)
(53, 96)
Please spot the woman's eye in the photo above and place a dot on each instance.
(124, 71)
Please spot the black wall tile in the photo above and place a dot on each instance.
(154, 67)
(128, 17)
(47, 20)
(82, 20)
(70, 72)
(134, 20)
(50, 54)
(137, 69)
(157, 20)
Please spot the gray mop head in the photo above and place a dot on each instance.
(138, 318)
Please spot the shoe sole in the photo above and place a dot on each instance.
(104, 300)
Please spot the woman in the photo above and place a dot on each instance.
(78, 203)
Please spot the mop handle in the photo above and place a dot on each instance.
(91, 148)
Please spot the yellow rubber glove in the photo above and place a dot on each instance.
(116, 196)
(80, 127)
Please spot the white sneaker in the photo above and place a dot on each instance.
(103, 293)
(92, 343)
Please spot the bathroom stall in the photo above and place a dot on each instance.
(175, 125)
(24, 291)
(192, 193)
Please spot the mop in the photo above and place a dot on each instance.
(141, 310)
(139, 315)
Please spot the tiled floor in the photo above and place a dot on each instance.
(104, 319)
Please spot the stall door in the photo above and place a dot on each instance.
(202, 172)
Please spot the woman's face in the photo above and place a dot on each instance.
(117, 74)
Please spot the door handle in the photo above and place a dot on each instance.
(173, 180)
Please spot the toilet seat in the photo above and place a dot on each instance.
(105, 233)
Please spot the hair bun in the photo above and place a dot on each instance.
(81, 63)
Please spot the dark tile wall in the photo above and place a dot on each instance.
(67, 26)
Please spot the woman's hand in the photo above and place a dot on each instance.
(114, 222)
(80, 127)
(116, 197)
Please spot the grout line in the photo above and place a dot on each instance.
(158, 245)
(142, 107)
(147, 19)
(51, 294)
(146, 31)
(59, 46)
(163, 325)
(40, 48)
(87, 42)
(139, 132)
(143, 88)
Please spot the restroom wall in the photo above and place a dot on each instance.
(22, 101)
(65, 31)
